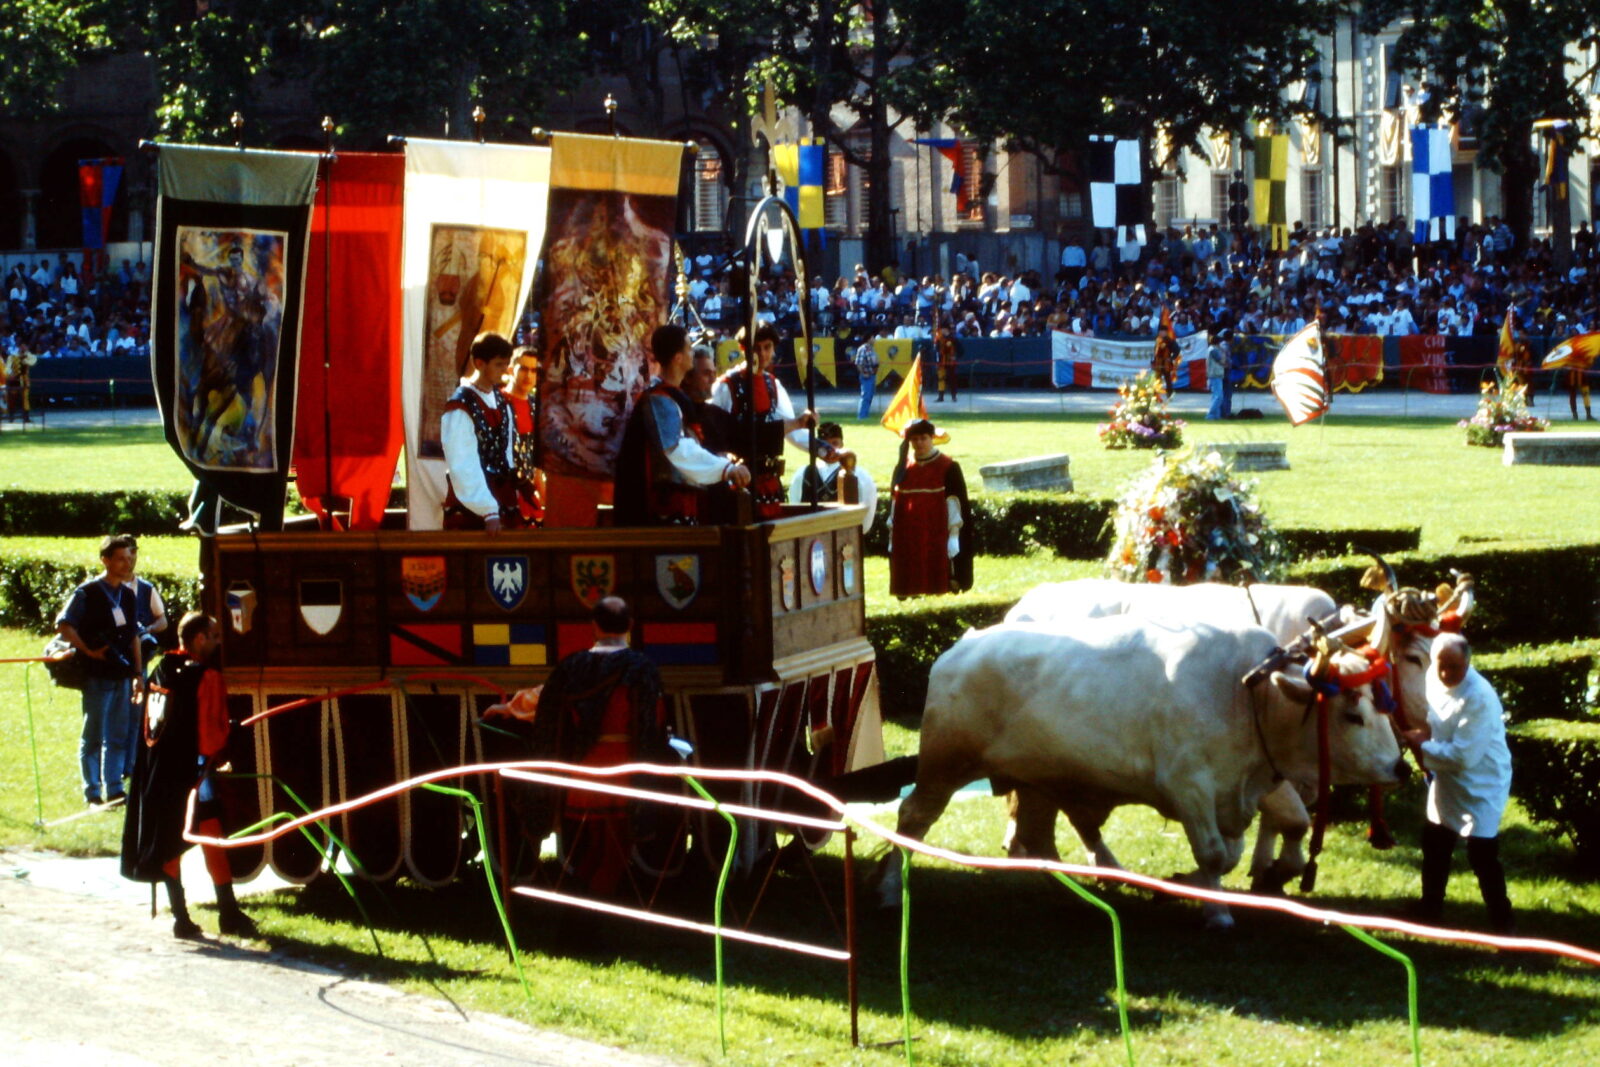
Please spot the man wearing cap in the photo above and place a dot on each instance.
(825, 478)
(930, 546)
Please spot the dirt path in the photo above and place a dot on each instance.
(90, 978)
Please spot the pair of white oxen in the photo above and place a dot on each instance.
(1094, 694)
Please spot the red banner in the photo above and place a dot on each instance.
(1355, 361)
(352, 326)
(1424, 363)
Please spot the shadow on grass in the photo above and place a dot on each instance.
(1016, 954)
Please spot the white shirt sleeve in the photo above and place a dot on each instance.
(1475, 730)
(797, 487)
(722, 396)
(867, 494)
(695, 463)
(952, 513)
(460, 442)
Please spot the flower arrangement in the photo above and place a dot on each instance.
(1188, 519)
(1140, 419)
(1502, 408)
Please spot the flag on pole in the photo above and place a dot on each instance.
(1299, 378)
(228, 281)
(800, 166)
(907, 406)
(98, 180)
(1433, 193)
(950, 149)
(1575, 353)
(1272, 184)
(1116, 187)
(894, 356)
(1512, 358)
(474, 224)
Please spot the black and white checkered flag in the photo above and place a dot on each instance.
(1116, 187)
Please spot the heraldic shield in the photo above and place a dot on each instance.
(678, 579)
(594, 577)
(423, 579)
(506, 578)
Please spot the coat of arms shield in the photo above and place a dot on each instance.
(678, 579)
(506, 578)
(422, 578)
(594, 577)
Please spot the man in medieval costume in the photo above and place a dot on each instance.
(664, 470)
(930, 524)
(478, 435)
(824, 481)
(524, 451)
(183, 743)
(761, 409)
(603, 707)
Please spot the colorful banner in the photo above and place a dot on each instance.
(607, 265)
(800, 167)
(474, 220)
(1272, 189)
(98, 181)
(894, 356)
(1100, 364)
(229, 276)
(1299, 376)
(824, 348)
(1425, 363)
(729, 355)
(1355, 361)
(348, 429)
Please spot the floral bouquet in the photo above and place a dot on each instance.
(1187, 519)
(1502, 408)
(1140, 419)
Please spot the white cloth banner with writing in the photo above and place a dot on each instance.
(1095, 363)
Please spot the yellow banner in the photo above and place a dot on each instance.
(728, 354)
(625, 164)
(907, 406)
(894, 355)
(823, 347)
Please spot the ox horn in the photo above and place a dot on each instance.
(1383, 565)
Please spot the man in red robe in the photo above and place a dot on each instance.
(600, 708)
(930, 547)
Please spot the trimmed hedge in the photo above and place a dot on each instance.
(909, 640)
(1549, 682)
(1075, 527)
(1557, 778)
(30, 513)
(33, 589)
(1527, 594)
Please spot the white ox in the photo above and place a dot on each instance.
(1280, 609)
(1124, 710)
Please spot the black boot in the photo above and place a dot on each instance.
(182, 925)
(232, 921)
(1484, 855)
(1438, 846)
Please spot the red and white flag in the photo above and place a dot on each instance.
(1299, 377)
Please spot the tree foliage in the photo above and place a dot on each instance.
(41, 42)
(1507, 57)
(1044, 76)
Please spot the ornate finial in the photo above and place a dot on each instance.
(611, 113)
(478, 115)
(236, 120)
(327, 124)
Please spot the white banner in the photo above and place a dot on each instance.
(474, 224)
(1110, 364)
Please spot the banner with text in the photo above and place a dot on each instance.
(1094, 363)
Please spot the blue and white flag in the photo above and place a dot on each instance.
(1433, 194)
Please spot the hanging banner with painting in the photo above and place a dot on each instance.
(225, 319)
(607, 267)
(474, 221)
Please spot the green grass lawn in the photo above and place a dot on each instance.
(1006, 969)
(101, 458)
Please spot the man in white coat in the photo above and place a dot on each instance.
(1464, 751)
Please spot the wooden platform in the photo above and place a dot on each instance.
(1565, 448)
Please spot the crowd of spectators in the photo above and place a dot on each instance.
(1369, 280)
(60, 310)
